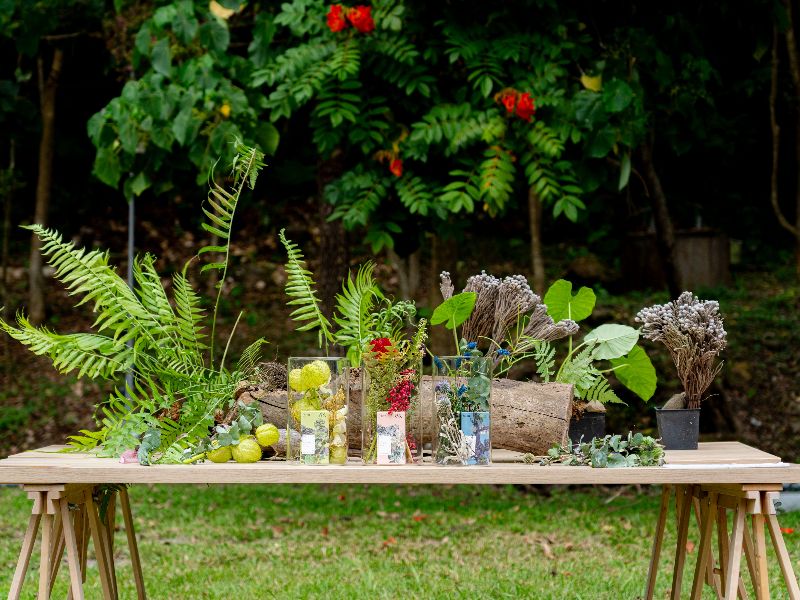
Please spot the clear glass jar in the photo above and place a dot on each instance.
(318, 398)
(391, 419)
(462, 401)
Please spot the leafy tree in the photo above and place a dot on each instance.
(186, 98)
(414, 103)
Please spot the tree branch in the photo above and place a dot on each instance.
(776, 137)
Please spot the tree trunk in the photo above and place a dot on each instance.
(408, 273)
(526, 417)
(47, 98)
(535, 227)
(665, 234)
(334, 255)
(8, 199)
(794, 69)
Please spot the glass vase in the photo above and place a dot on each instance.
(391, 418)
(318, 398)
(462, 401)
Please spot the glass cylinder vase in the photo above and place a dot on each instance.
(391, 419)
(318, 399)
(462, 400)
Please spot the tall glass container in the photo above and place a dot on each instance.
(317, 412)
(391, 418)
(462, 404)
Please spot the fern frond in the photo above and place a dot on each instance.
(355, 196)
(544, 355)
(95, 356)
(300, 288)
(496, 177)
(353, 310)
(250, 358)
(415, 194)
(189, 316)
(600, 391)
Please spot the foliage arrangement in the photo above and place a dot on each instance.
(693, 332)
(363, 312)
(514, 324)
(392, 374)
(611, 451)
(314, 389)
(177, 386)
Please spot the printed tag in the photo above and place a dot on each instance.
(391, 443)
(475, 427)
(315, 436)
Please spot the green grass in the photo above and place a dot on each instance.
(294, 541)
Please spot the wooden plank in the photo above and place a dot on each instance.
(760, 547)
(721, 453)
(44, 564)
(98, 471)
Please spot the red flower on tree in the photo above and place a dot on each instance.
(336, 20)
(360, 17)
(380, 345)
(509, 100)
(525, 107)
(396, 167)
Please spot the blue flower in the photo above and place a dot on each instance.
(461, 390)
(443, 387)
(472, 346)
(503, 352)
(467, 353)
(439, 363)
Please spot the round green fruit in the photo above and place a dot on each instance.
(305, 403)
(267, 435)
(247, 450)
(219, 455)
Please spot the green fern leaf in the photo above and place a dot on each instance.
(354, 307)
(300, 288)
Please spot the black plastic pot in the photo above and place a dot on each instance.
(678, 428)
(590, 425)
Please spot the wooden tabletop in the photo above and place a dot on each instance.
(48, 466)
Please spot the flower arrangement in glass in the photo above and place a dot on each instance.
(318, 401)
(462, 392)
(391, 420)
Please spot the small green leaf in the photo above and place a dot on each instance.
(625, 171)
(561, 304)
(612, 340)
(161, 58)
(107, 167)
(637, 373)
(617, 95)
(455, 310)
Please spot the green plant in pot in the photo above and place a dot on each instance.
(693, 332)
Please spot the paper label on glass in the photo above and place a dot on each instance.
(315, 436)
(391, 443)
(475, 427)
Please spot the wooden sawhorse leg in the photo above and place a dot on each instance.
(68, 516)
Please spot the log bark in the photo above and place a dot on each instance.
(526, 417)
(47, 96)
(665, 232)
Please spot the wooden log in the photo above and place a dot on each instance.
(526, 417)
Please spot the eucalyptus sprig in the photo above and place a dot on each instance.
(611, 451)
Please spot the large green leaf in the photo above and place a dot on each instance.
(562, 304)
(636, 372)
(612, 340)
(455, 310)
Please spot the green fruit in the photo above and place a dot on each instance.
(338, 455)
(219, 455)
(267, 435)
(305, 403)
(316, 374)
(247, 450)
(296, 380)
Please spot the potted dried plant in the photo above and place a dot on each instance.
(693, 332)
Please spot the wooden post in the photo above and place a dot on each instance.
(99, 546)
(658, 539)
(136, 564)
(44, 566)
(783, 557)
(762, 585)
(704, 552)
(684, 496)
(57, 550)
(73, 556)
(25, 555)
(735, 552)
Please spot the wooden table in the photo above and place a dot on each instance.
(75, 498)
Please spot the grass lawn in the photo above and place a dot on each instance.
(296, 541)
